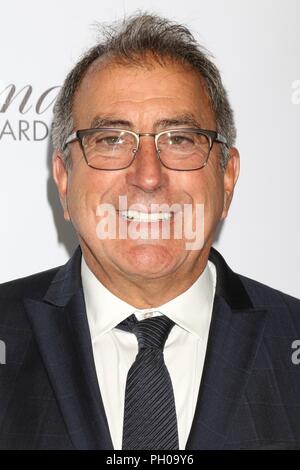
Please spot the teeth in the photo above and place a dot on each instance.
(145, 216)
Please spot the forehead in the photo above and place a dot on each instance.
(141, 93)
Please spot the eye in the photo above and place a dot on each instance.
(179, 139)
(108, 140)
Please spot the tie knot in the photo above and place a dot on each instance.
(153, 332)
(150, 333)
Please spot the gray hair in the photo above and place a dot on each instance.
(126, 42)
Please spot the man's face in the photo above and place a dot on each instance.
(143, 100)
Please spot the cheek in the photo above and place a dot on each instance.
(215, 197)
(87, 189)
(207, 188)
(81, 193)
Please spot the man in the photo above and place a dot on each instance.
(146, 339)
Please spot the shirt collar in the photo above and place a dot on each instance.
(193, 308)
(190, 310)
(104, 309)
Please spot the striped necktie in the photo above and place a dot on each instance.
(150, 421)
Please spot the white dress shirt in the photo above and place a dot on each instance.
(115, 350)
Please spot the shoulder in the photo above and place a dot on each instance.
(242, 292)
(263, 295)
(34, 285)
(13, 318)
(282, 310)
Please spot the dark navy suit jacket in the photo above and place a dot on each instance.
(249, 396)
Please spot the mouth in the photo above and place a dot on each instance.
(146, 217)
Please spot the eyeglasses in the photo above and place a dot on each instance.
(115, 149)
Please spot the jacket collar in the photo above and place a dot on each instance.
(66, 282)
(229, 285)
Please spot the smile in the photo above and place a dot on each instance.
(138, 216)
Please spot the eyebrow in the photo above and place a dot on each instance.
(186, 119)
(109, 121)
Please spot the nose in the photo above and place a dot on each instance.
(146, 171)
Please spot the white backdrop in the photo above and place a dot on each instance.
(256, 44)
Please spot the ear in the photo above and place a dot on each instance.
(231, 175)
(60, 175)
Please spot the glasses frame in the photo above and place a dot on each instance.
(213, 137)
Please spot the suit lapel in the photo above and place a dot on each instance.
(235, 335)
(62, 333)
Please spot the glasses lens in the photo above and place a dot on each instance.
(184, 150)
(109, 149)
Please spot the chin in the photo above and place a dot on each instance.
(148, 260)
